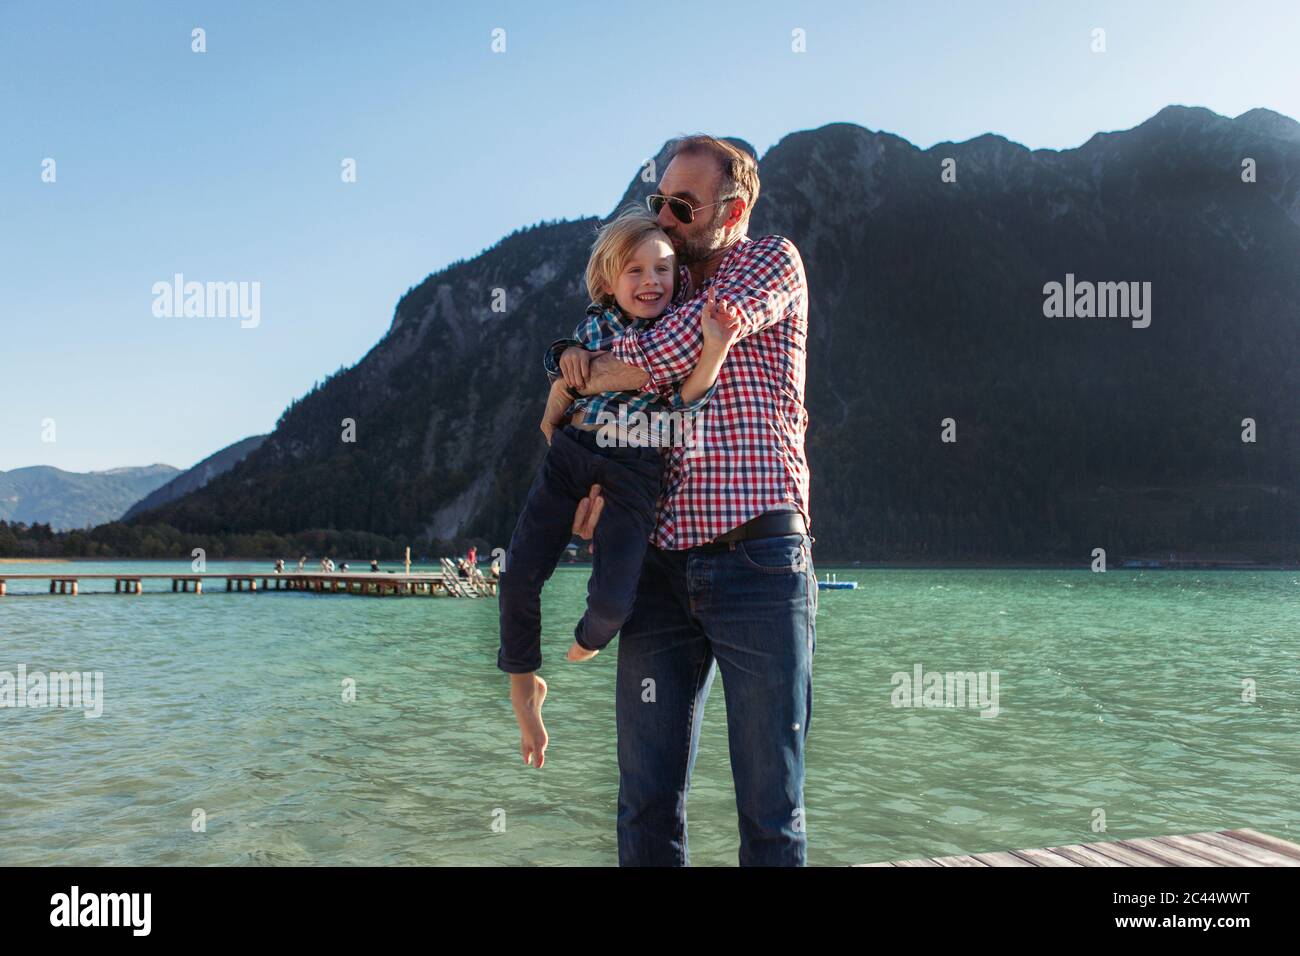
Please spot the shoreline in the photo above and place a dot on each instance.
(905, 565)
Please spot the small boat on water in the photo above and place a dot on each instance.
(832, 583)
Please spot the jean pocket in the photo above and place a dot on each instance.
(783, 554)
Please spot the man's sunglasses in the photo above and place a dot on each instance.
(680, 208)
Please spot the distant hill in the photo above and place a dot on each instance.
(198, 476)
(68, 499)
(926, 303)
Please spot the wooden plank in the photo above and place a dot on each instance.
(1243, 847)
(1166, 854)
(1125, 856)
(1249, 850)
(1001, 858)
(1085, 855)
(1045, 858)
(1276, 844)
(1212, 855)
(158, 575)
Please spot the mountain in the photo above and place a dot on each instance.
(67, 499)
(198, 476)
(927, 303)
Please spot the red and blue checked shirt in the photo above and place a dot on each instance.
(749, 456)
(598, 330)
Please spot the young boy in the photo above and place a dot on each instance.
(631, 277)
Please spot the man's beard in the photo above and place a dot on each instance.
(697, 248)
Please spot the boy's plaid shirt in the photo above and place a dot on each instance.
(750, 458)
(597, 332)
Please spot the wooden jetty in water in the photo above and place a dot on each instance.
(1242, 847)
(445, 582)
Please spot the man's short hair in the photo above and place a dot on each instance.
(739, 169)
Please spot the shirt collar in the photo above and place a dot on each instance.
(737, 248)
(615, 315)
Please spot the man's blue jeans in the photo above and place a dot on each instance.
(752, 608)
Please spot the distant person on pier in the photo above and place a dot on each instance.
(279, 565)
(374, 565)
(472, 557)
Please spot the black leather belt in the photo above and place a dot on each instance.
(768, 525)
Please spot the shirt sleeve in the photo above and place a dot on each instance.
(551, 361)
(590, 333)
(674, 398)
(763, 286)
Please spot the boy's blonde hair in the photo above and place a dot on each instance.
(614, 245)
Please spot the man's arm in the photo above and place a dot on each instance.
(556, 412)
(760, 288)
(608, 374)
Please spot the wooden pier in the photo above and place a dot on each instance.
(442, 583)
(1221, 848)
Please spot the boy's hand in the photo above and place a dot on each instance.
(720, 323)
(579, 653)
(575, 364)
(527, 692)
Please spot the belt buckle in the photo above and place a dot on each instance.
(717, 544)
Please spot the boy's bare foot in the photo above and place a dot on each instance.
(579, 653)
(527, 693)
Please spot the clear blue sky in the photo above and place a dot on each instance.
(226, 165)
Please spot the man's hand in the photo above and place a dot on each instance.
(607, 374)
(557, 403)
(575, 365)
(720, 323)
(588, 513)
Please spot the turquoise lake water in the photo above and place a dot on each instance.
(1118, 693)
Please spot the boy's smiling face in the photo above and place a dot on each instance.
(645, 286)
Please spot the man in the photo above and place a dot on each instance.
(728, 578)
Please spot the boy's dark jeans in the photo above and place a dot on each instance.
(629, 481)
